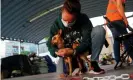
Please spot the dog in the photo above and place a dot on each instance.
(82, 56)
(59, 42)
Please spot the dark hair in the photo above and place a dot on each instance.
(72, 6)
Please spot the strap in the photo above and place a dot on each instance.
(111, 11)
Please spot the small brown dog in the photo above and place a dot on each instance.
(81, 56)
(59, 42)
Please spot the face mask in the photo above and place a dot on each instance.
(67, 24)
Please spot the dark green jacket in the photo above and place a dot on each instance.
(82, 23)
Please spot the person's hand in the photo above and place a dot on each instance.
(126, 22)
(65, 52)
(130, 28)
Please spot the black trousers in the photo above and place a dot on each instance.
(118, 28)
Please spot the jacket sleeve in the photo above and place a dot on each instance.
(86, 37)
(51, 48)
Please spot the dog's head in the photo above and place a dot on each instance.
(58, 40)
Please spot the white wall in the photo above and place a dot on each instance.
(2, 49)
(99, 20)
(6, 47)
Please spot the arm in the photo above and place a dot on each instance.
(84, 45)
(121, 10)
(86, 29)
(51, 48)
(86, 37)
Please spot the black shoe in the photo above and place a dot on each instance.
(96, 68)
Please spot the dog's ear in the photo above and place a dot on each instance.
(52, 40)
(60, 32)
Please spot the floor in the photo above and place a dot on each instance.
(109, 71)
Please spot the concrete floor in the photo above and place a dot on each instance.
(53, 76)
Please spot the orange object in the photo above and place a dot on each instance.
(112, 12)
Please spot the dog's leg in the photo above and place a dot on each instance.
(66, 64)
(80, 66)
(70, 65)
(64, 75)
(84, 57)
(1, 76)
(89, 63)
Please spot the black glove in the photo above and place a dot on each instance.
(130, 29)
(106, 43)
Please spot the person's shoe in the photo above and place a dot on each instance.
(61, 76)
(95, 72)
(96, 68)
(119, 65)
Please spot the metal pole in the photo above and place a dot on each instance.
(19, 47)
(37, 49)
